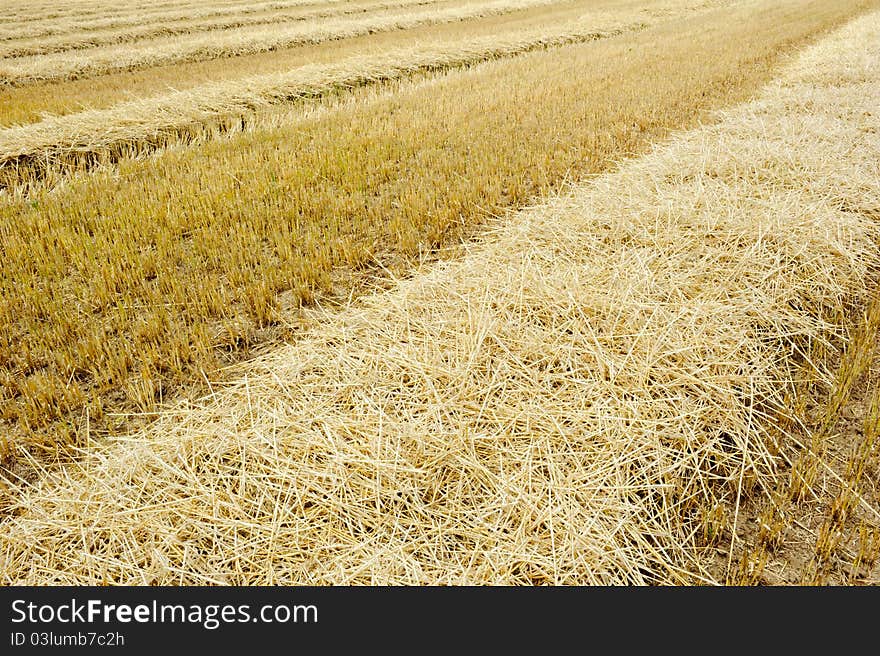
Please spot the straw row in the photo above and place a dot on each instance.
(139, 29)
(29, 152)
(29, 13)
(239, 41)
(33, 103)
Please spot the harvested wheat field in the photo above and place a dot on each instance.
(564, 292)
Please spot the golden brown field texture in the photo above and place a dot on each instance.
(29, 103)
(241, 40)
(602, 389)
(25, 11)
(122, 285)
(46, 151)
(17, 40)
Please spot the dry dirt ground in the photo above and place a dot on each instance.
(828, 534)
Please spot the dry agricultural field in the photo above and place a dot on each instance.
(439, 291)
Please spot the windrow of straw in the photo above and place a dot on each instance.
(240, 41)
(75, 141)
(562, 404)
(26, 11)
(33, 103)
(137, 30)
(105, 17)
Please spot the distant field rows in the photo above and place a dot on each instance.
(137, 30)
(48, 12)
(238, 41)
(32, 103)
(53, 146)
(155, 15)
(124, 285)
